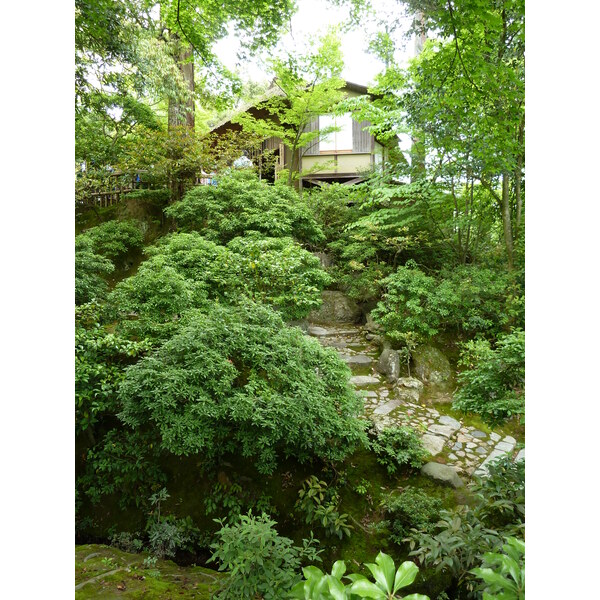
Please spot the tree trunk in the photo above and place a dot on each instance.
(182, 112)
(506, 219)
(518, 178)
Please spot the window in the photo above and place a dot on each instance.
(336, 141)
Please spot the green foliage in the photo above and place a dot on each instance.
(260, 561)
(279, 272)
(319, 504)
(412, 509)
(100, 359)
(114, 239)
(90, 269)
(333, 207)
(388, 580)
(240, 203)
(504, 573)
(463, 535)
(398, 447)
(492, 384)
(238, 380)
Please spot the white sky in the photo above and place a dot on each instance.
(314, 16)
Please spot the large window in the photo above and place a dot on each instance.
(336, 141)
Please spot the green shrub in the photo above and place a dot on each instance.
(114, 239)
(90, 269)
(238, 380)
(398, 447)
(492, 382)
(319, 505)
(240, 203)
(261, 563)
(412, 509)
(330, 204)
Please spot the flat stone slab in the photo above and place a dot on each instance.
(446, 420)
(481, 451)
(442, 473)
(318, 331)
(505, 446)
(433, 444)
(482, 470)
(510, 439)
(478, 434)
(388, 407)
(369, 394)
(356, 359)
(494, 436)
(360, 380)
(520, 455)
(444, 430)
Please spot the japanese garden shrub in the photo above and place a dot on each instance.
(114, 239)
(398, 447)
(237, 380)
(468, 299)
(261, 563)
(279, 272)
(411, 509)
(276, 271)
(240, 203)
(90, 270)
(492, 382)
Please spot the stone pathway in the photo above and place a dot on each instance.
(463, 447)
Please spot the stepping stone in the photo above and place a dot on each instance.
(510, 439)
(318, 331)
(505, 446)
(444, 430)
(471, 445)
(495, 437)
(433, 444)
(457, 446)
(360, 380)
(478, 434)
(369, 394)
(461, 453)
(442, 473)
(482, 470)
(481, 451)
(521, 455)
(446, 420)
(356, 359)
(387, 408)
(452, 456)
(463, 438)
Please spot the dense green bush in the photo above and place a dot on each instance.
(398, 447)
(261, 563)
(463, 535)
(333, 206)
(90, 270)
(238, 380)
(412, 509)
(114, 239)
(492, 382)
(240, 203)
(184, 269)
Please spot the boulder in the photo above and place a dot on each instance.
(431, 365)
(442, 473)
(432, 443)
(325, 259)
(389, 364)
(336, 308)
(371, 325)
(409, 388)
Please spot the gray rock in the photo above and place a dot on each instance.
(362, 380)
(452, 456)
(478, 434)
(409, 389)
(318, 331)
(442, 473)
(388, 407)
(494, 436)
(505, 446)
(471, 445)
(510, 439)
(433, 444)
(389, 364)
(444, 430)
(336, 308)
(446, 420)
(356, 359)
(370, 394)
(325, 259)
(482, 470)
(370, 325)
(431, 365)
(520, 455)
(457, 446)
(481, 451)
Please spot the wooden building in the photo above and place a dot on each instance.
(343, 156)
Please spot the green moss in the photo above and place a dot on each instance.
(105, 572)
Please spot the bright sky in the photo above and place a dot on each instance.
(314, 16)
